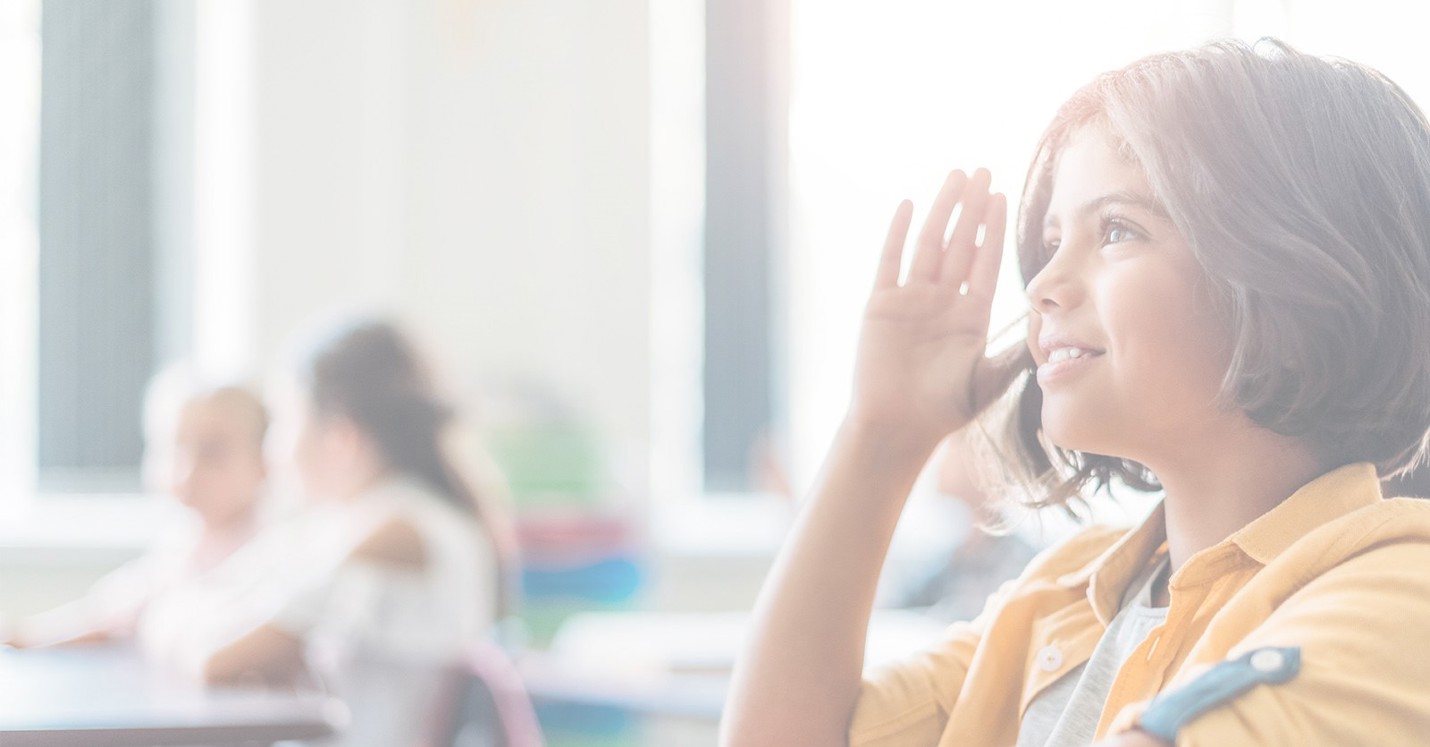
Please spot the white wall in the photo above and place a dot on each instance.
(481, 167)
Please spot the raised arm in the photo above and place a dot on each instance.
(922, 372)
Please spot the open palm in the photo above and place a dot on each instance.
(922, 364)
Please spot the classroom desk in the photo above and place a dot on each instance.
(698, 696)
(108, 697)
(675, 665)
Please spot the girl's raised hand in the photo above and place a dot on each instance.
(922, 369)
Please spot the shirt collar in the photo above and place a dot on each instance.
(1324, 499)
(1328, 497)
(1109, 574)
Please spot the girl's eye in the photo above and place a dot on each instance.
(1117, 232)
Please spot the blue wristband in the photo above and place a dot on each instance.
(1170, 711)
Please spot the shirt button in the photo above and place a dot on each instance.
(1050, 658)
(1268, 660)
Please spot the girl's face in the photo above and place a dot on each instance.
(1130, 356)
(214, 462)
(317, 453)
(321, 449)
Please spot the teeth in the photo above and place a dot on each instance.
(1061, 354)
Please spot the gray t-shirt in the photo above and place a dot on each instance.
(1067, 712)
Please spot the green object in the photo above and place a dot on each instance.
(553, 464)
(544, 617)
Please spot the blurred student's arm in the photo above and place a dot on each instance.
(40, 632)
(266, 653)
(273, 651)
(108, 612)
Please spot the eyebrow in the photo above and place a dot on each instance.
(1123, 197)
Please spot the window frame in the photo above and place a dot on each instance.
(210, 292)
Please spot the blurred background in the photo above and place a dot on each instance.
(637, 236)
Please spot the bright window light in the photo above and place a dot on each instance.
(887, 98)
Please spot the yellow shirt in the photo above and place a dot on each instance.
(1334, 569)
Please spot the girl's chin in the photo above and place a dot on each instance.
(1072, 432)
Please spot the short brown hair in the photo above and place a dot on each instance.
(1302, 185)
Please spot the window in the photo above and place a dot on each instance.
(810, 121)
(100, 157)
(745, 114)
(717, 190)
(19, 132)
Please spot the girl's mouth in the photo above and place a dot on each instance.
(1064, 361)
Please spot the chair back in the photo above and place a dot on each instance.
(483, 703)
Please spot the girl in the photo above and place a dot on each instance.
(396, 568)
(1226, 253)
(203, 445)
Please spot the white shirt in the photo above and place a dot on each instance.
(376, 635)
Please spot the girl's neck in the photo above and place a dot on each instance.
(237, 523)
(362, 481)
(1227, 480)
(218, 539)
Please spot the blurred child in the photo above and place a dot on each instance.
(972, 561)
(204, 447)
(395, 568)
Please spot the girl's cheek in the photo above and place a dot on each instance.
(1156, 324)
(1035, 328)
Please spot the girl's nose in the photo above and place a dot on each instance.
(1055, 286)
